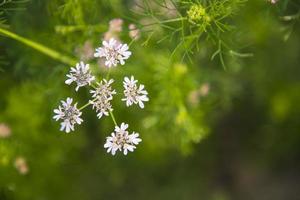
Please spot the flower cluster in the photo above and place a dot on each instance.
(81, 75)
(134, 94)
(69, 114)
(121, 140)
(113, 52)
(102, 94)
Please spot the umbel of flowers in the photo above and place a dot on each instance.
(102, 93)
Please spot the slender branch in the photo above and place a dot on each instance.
(39, 47)
(93, 85)
(86, 105)
(108, 73)
(131, 42)
(113, 118)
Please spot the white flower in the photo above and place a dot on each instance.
(102, 106)
(69, 114)
(113, 52)
(134, 94)
(81, 75)
(102, 95)
(121, 140)
(104, 89)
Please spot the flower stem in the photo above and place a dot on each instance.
(113, 118)
(108, 73)
(131, 42)
(93, 85)
(166, 21)
(84, 106)
(39, 47)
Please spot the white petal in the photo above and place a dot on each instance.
(125, 151)
(67, 128)
(144, 98)
(62, 126)
(69, 81)
(69, 100)
(141, 104)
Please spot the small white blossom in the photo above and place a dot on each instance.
(81, 75)
(104, 89)
(69, 114)
(121, 140)
(134, 94)
(113, 52)
(102, 95)
(102, 106)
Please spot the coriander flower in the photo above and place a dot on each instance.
(134, 94)
(121, 140)
(102, 106)
(104, 89)
(69, 114)
(81, 75)
(102, 95)
(113, 52)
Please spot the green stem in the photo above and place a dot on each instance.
(166, 21)
(39, 47)
(113, 118)
(86, 105)
(108, 73)
(131, 42)
(93, 86)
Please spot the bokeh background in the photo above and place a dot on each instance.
(209, 131)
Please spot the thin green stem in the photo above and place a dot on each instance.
(221, 55)
(39, 47)
(86, 105)
(113, 118)
(165, 21)
(131, 42)
(108, 73)
(93, 85)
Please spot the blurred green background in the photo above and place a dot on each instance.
(208, 132)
